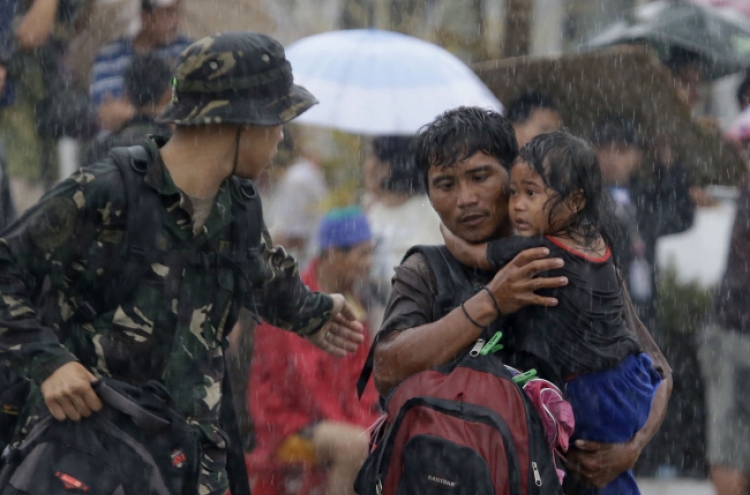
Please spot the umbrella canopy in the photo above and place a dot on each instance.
(719, 36)
(740, 128)
(742, 6)
(627, 81)
(379, 82)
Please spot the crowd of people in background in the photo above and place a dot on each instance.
(303, 402)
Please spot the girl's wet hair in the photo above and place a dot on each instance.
(568, 165)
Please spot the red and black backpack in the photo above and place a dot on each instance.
(465, 428)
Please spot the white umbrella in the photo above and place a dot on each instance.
(380, 82)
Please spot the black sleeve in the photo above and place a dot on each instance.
(664, 205)
(500, 252)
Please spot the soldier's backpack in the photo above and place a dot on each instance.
(135, 445)
(462, 428)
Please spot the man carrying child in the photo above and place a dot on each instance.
(464, 157)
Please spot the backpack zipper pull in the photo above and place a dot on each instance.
(477, 348)
(537, 476)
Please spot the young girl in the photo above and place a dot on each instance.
(556, 201)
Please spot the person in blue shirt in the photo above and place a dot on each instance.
(159, 34)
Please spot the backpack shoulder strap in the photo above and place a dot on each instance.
(132, 163)
(451, 281)
(450, 277)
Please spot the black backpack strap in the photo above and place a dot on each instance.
(132, 163)
(247, 209)
(449, 275)
(239, 482)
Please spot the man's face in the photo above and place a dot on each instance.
(258, 148)
(471, 197)
(540, 121)
(161, 24)
(618, 161)
(352, 266)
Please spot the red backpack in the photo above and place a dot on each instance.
(465, 428)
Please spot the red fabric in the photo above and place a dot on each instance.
(293, 384)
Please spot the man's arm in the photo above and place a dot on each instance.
(400, 354)
(285, 302)
(664, 204)
(598, 464)
(47, 242)
(36, 26)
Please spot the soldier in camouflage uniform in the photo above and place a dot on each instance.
(232, 92)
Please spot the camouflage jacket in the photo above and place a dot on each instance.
(147, 336)
(131, 133)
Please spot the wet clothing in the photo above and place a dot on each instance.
(732, 303)
(413, 297)
(294, 385)
(724, 352)
(611, 406)
(586, 331)
(725, 362)
(170, 327)
(653, 207)
(133, 132)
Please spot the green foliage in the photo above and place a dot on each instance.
(682, 308)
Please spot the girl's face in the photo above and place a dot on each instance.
(530, 203)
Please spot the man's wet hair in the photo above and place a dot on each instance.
(398, 153)
(522, 107)
(147, 78)
(614, 129)
(568, 165)
(458, 134)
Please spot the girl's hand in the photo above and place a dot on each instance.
(473, 255)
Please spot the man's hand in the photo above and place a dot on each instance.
(343, 333)
(3, 76)
(474, 255)
(68, 392)
(598, 464)
(36, 25)
(514, 285)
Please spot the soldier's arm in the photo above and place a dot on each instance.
(40, 246)
(283, 300)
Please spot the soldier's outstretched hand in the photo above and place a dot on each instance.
(68, 392)
(342, 333)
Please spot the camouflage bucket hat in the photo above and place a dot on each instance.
(235, 78)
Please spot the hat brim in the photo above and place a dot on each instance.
(207, 109)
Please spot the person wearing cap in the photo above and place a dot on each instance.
(82, 298)
(159, 35)
(303, 402)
